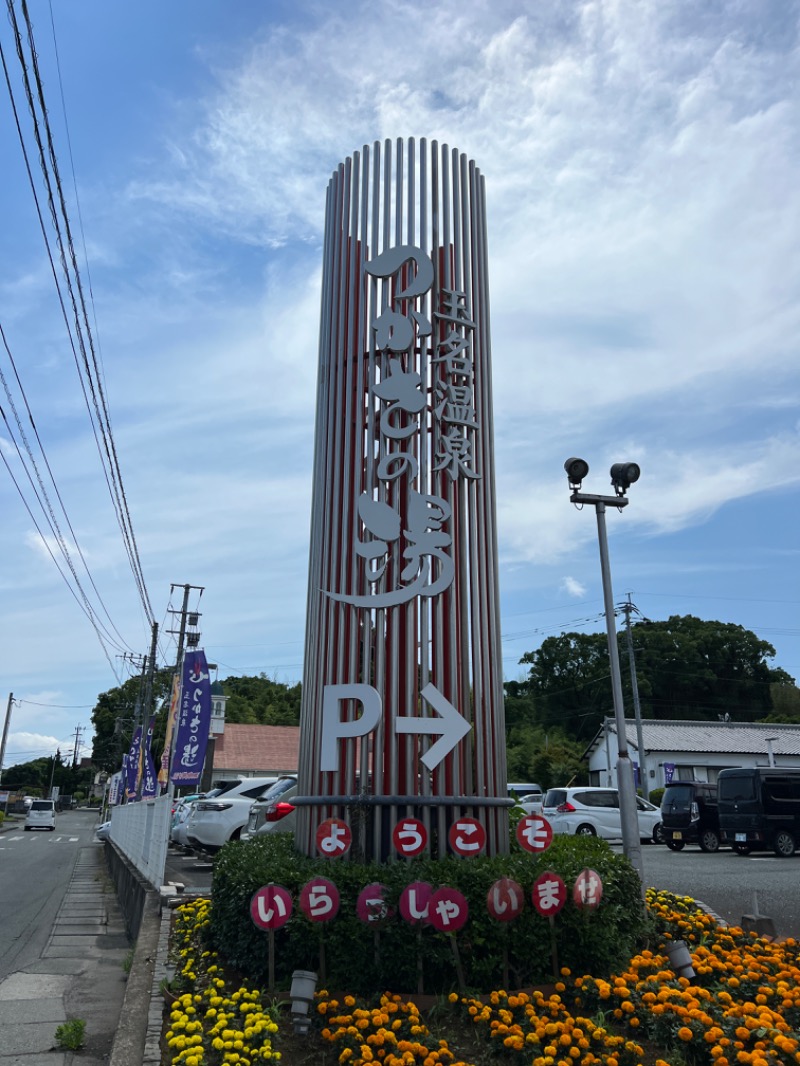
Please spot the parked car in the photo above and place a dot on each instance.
(103, 831)
(180, 817)
(690, 815)
(214, 820)
(588, 811)
(274, 811)
(528, 796)
(759, 809)
(41, 815)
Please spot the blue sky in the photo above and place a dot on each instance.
(641, 161)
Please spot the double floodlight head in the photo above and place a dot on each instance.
(623, 476)
(576, 469)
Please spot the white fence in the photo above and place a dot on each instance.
(141, 832)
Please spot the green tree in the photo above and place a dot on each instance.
(114, 715)
(261, 700)
(686, 668)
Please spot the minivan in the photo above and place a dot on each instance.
(759, 809)
(690, 815)
(41, 815)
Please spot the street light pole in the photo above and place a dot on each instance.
(577, 469)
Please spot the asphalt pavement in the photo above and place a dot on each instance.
(88, 970)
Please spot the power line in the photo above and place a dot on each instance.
(100, 421)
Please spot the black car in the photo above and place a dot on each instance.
(690, 815)
(760, 809)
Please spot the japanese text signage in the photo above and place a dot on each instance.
(194, 720)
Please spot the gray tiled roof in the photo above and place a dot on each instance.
(729, 737)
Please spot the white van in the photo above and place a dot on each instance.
(41, 815)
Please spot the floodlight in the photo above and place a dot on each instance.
(576, 469)
(623, 476)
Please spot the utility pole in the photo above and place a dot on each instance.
(5, 732)
(148, 690)
(184, 613)
(627, 608)
(78, 731)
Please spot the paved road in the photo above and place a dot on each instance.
(35, 870)
(728, 883)
(725, 882)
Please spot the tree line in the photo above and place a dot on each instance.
(686, 668)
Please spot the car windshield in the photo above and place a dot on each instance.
(555, 797)
(42, 805)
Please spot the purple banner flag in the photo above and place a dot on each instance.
(194, 720)
(132, 768)
(149, 782)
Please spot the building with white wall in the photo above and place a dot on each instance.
(685, 751)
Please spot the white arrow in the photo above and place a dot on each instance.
(450, 724)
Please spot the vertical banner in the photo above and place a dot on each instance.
(669, 771)
(132, 767)
(115, 787)
(194, 720)
(172, 717)
(149, 783)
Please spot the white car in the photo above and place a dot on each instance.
(587, 811)
(274, 812)
(532, 803)
(41, 815)
(214, 820)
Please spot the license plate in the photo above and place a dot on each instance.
(741, 838)
(676, 835)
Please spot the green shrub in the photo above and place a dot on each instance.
(656, 796)
(361, 959)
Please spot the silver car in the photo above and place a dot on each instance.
(274, 811)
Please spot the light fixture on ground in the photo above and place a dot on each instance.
(304, 983)
(623, 475)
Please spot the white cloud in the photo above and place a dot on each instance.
(573, 588)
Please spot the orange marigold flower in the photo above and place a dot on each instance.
(685, 1033)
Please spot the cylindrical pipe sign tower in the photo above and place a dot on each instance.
(402, 714)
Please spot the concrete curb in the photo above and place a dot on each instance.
(131, 1036)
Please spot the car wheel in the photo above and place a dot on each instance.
(709, 840)
(585, 830)
(742, 849)
(783, 844)
(674, 845)
(658, 834)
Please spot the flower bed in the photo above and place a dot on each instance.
(741, 1007)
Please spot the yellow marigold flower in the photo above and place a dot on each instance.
(684, 1033)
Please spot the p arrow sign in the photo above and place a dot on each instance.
(450, 725)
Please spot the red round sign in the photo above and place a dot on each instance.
(371, 905)
(467, 836)
(505, 899)
(414, 900)
(534, 833)
(409, 836)
(587, 890)
(319, 900)
(271, 907)
(549, 894)
(333, 838)
(447, 910)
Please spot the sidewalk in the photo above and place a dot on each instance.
(81, 974)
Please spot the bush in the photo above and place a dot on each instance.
(361, 958)
(656, 796)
